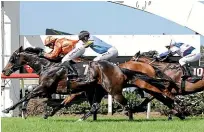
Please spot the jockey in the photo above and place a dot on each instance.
(105, 51)
(187, 52)
(60, 47)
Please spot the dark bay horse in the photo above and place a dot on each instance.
(53, 79)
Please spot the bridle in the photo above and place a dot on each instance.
(15, 65)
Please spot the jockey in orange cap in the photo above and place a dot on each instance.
(60, 47)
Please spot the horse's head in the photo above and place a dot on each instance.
(14, 63)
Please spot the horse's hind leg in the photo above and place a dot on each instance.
(123, 101)
(65, 102)
(94, 97)
(95, 107)
(55, 109)
(176, 109)
(140, 107)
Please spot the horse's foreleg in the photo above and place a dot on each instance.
(193, 87)
(24, 109)
(36, 92)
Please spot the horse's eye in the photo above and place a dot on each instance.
(12, 60)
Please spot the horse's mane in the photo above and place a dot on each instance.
(38, 50)
(149, 54)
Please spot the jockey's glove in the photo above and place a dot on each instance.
(41, 54)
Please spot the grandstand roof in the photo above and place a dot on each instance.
(55, 32)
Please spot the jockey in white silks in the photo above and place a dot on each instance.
(186, 51)
(105, 51)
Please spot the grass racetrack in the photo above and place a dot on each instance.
(103, 124)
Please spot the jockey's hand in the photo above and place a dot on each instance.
(157, 58)
(82, 56)
(41, 54)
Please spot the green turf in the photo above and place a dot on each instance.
(103, 124)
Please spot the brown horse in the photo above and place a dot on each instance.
(114, 79)
(173, 72)
(148, 70)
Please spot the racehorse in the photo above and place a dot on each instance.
(172, 71)
(114, 78)
(47, 86)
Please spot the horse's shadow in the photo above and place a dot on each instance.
(126, 120)
(109, 120)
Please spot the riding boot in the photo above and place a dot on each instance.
(71, 68)
(186, 72)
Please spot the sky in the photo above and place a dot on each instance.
(98, 17)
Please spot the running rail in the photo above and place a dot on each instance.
(20, 75)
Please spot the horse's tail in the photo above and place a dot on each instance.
(139, 75)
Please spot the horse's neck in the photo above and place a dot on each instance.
(35, 62)
(160, 65)
(165, 70)
(163, 66)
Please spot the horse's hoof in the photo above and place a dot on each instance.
(131, 119)
(5, 111)
(182, 117)
(79, 120)
(45, 117)
(169, 118)
(126, 113)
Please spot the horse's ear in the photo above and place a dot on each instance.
(21, 49)
(155, 52)
(137, 54)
